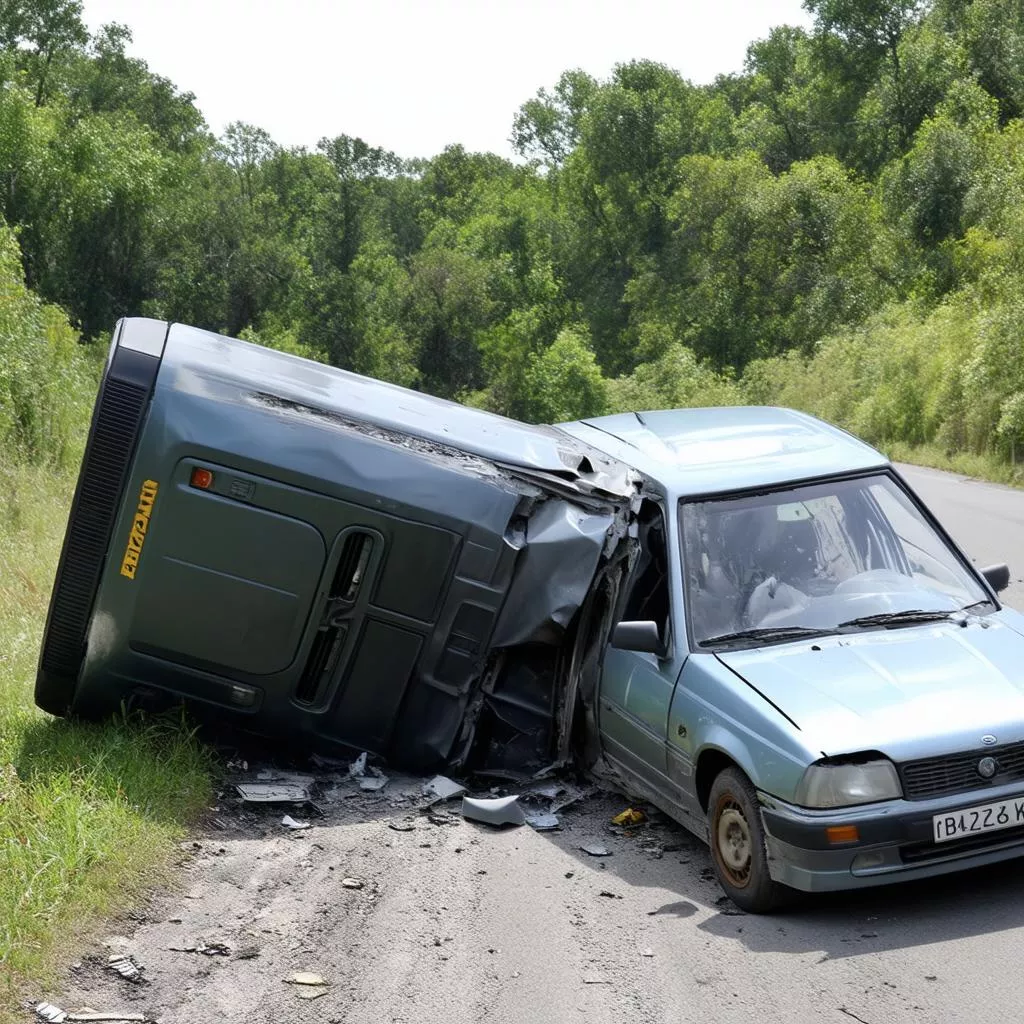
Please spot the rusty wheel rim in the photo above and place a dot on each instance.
(733, 841)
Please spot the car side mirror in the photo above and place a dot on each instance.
(639, 636)
(998, 576)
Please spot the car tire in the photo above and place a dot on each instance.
(736, 838)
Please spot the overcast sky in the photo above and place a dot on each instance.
(415, 76)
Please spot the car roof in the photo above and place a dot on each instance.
(716, 450)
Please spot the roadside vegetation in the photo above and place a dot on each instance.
(838, 227)
(87, 814)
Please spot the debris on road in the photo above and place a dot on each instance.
(610, 895)
(352, 883)
(208, 948)
(440, 787)
(402, 826)
(647, 952)
(543, 822)
(289, 822)
(358, 767)
(305, 978)
(373, 782)
(630, 816)
(273, 793)
(54, 1014)
(503, 810)
(596, 850)
(126, 966)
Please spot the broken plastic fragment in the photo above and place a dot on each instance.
(358, 767)
(47, 1011)
(126, 967)
(289, 822)
(111, 1017)
(352, 883)
(504, 810)
(596, 850)
(273, 793)
(543, 822)
(630, 816)
(373, 783)
(305, 978)
(442, 788)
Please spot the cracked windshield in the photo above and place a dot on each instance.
(511, 511)
(817, 557)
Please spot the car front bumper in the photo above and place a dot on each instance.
(895, 844)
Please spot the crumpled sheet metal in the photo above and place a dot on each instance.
(555, 572)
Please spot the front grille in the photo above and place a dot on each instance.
(958, 773)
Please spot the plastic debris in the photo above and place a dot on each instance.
(312, 993)
(375, 781)
(305, 978)
(647, 952)
(357, 768)
(126, 967)
(402, 826)
(504, 810)
(273, 793)
(90, 1015)
(440, 787)
(543, 822)
(289, 822)
(630, 816)
(596, 850)
(352, 883)
(47, 1011)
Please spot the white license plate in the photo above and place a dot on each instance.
(972, 821)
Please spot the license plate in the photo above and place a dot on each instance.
(972, 821)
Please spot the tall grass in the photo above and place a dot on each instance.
(88, 813)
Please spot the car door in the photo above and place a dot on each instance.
(637, 685)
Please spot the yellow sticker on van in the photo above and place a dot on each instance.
(140, 524)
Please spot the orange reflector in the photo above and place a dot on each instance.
(201, 478)
(842, 834)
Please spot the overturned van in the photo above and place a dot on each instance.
(321, 555)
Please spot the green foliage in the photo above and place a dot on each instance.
(44, 378)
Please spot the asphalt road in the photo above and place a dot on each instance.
(986, 520)
(454, 922)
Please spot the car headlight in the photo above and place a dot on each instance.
(846, 785)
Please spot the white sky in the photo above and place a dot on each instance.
(415, 76)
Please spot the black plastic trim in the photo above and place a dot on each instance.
(118, 415)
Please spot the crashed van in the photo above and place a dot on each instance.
(742, 615)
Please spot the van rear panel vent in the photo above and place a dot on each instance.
(329, 642)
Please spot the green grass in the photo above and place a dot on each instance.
(979, 467)
(89, 815)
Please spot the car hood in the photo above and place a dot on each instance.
(910, 692)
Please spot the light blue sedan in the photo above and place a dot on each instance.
(806, 671)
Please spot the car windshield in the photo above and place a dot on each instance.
(816, 558)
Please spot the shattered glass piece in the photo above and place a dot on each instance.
(546, 822)
(504, 810)
(273, 793)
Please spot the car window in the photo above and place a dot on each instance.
(815, 556)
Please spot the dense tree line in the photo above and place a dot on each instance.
(838, 227)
